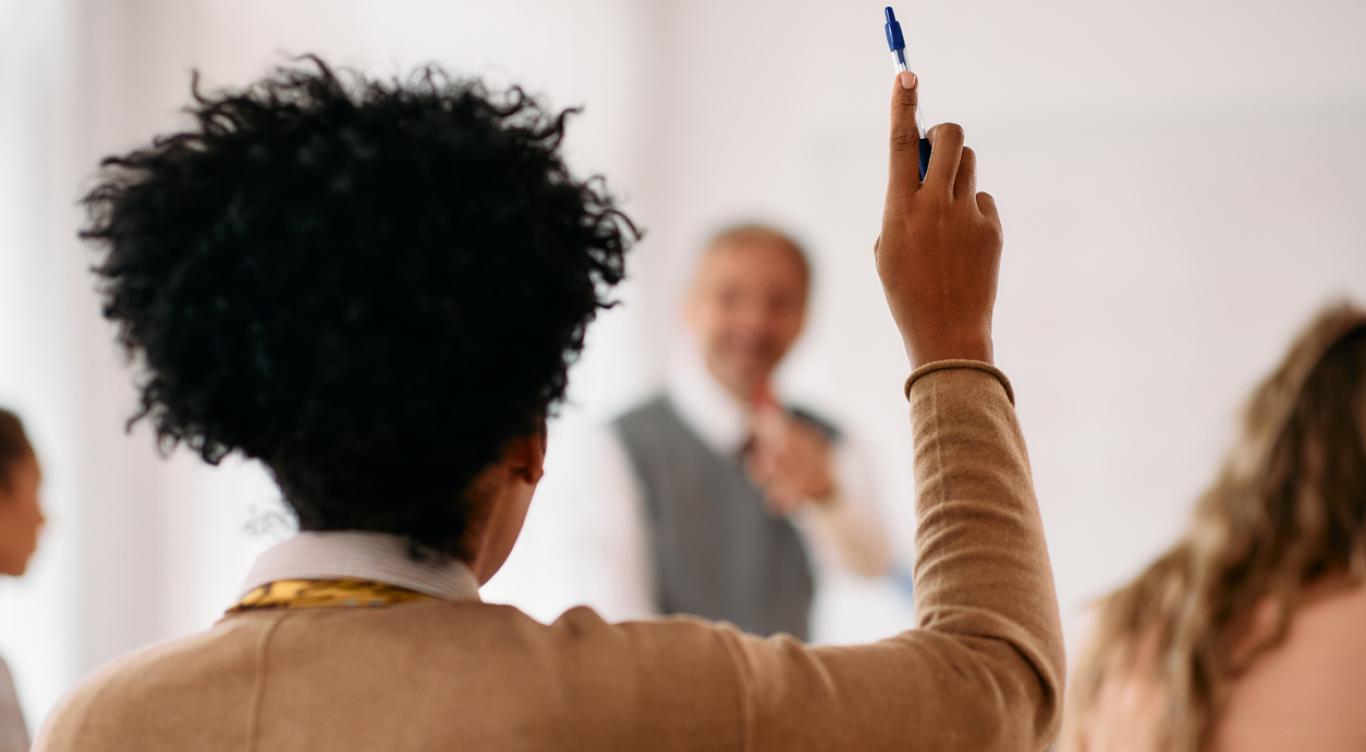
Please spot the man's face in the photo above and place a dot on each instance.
(21, 516)
(746, 310)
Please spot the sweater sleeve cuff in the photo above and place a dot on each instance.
(977, 365)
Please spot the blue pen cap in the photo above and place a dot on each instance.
(894, 39)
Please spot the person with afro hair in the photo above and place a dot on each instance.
(376, 289)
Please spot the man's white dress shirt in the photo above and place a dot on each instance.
(612, 561)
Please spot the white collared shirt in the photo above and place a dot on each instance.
(355, 555)
(613, 566)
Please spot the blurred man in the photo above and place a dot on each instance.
(711, 498)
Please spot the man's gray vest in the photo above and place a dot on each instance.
(718, 553)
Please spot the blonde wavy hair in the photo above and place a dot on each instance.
(1287, 509)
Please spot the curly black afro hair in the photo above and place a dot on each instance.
(369, 285)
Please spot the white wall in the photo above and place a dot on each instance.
(1178, 183)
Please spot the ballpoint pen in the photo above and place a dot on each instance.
(896, 42)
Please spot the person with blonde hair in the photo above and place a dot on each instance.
(1248, 633)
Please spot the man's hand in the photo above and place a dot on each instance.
(791, 462)
(940, 248)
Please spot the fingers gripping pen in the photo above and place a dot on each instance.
(897, 44)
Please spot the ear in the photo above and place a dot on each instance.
(524, 456)
(695, 313)
(691, 302)
(689, 307)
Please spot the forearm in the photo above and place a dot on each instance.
(983, 578)
(984, 669)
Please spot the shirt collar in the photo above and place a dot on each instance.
(720, 420)
(356, 555)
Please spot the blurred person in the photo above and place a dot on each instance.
(376, 287)
(1250, 632)
(21, 519)
(711, 498)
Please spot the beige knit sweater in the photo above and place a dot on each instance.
(982, 671)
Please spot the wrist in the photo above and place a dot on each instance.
(947, 365)
(920, 351)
